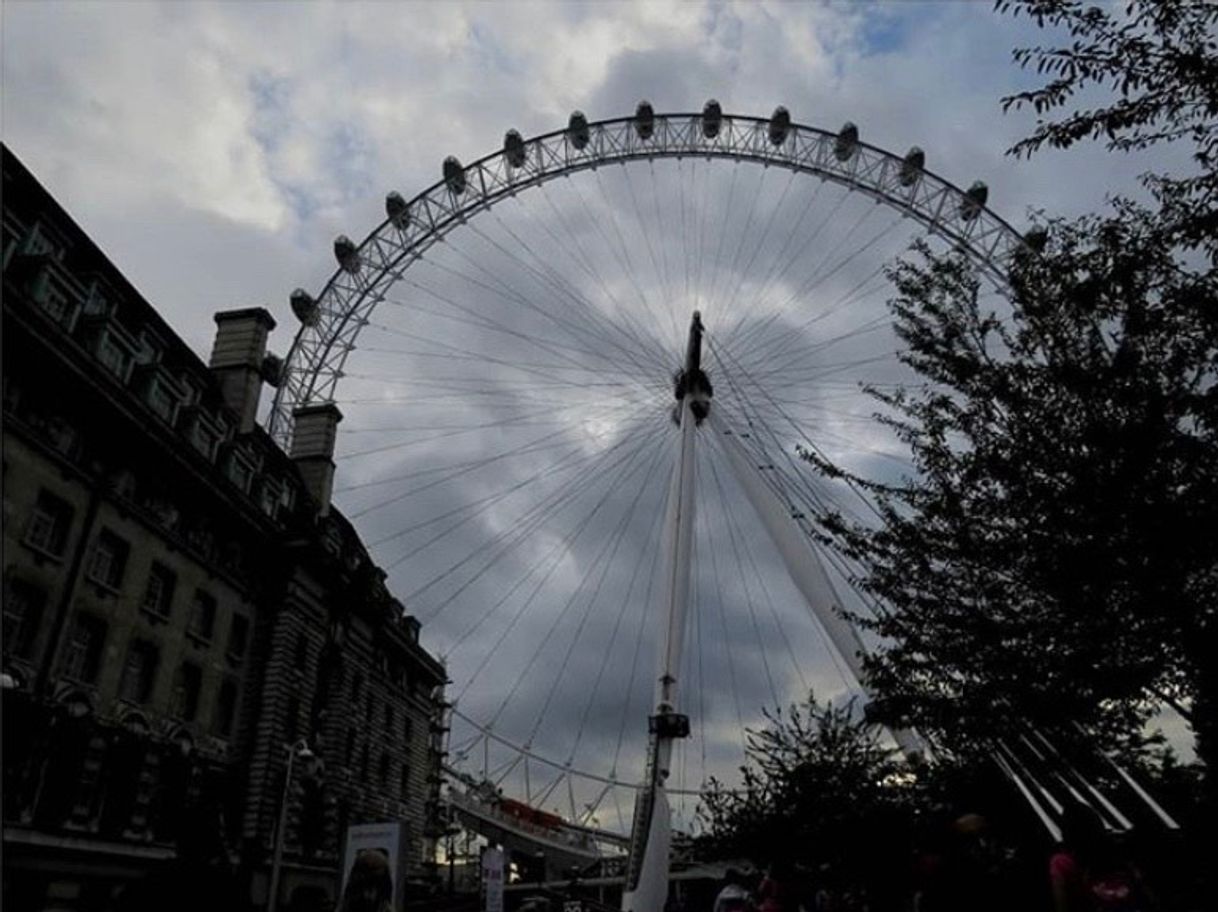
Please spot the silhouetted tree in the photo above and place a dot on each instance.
(818, 787)
(1152, 65)
(1053, 556)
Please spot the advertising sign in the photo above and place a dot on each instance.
(373, 861)
(492, 880)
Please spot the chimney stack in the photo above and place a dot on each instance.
(236, 359)
(313, 437)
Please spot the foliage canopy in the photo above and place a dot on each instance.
(1053, 555)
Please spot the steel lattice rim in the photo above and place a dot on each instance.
(315, 361)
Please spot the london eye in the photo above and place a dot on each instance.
(574, 376)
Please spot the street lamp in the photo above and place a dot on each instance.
(299, 749)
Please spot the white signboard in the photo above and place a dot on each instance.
(374, 855)
(492, 880)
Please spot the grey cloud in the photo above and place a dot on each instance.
(297, 124)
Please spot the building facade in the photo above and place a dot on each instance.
(181, 604)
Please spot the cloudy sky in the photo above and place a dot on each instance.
(214, 150)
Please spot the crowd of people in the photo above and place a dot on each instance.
(962, 866)
(960, 863)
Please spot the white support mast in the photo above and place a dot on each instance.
(804, 567)
(646, 888)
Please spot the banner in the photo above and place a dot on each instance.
(373, 859)
(492, 880)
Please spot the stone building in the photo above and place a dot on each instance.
(181, 603)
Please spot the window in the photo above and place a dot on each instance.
(96, 304)
(408, 731)
(139, 672)
(384, 769)
(240, 472)
(56, 296)
(82, 657)
(23, 604)
(55, 302)
(49, 524)
(405, 782)
(202, 615)
(186, 688)
(112, 356)
(204, 437)
(357, 686)
(350, 745)
(109, 560)
(388, 720)
(301, 656)
(162, 400)
(150, 348)
(268, 497)
(368, 708)
(238, 636)
(363, 762)
(158, 597)
(37, 242)
(226, 709)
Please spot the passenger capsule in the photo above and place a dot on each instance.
(454, 176)
(847, 142)
(780, 125)
(1036, 239)
(513, 148)
(398, 210)
(911, 166)
(645, 120)
(712, 119)
(577, 129)
(974, 201)
(347, 254)
(304, 307)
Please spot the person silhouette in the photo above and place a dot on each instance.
(369, 885)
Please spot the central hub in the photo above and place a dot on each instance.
(691, 380)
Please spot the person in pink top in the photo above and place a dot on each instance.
(772, 894)
(1088, 872)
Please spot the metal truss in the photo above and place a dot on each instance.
(331, 323)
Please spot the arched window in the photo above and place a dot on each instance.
(82, 657)
(139, 672)
(23, 604)
(186, 686)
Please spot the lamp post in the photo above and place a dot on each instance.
(299, 749)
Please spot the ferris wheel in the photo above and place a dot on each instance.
(573, 377)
